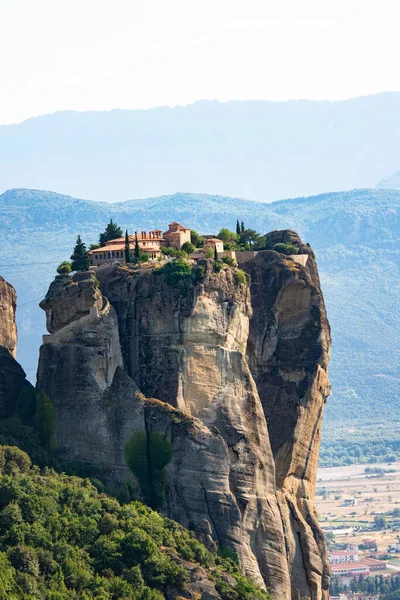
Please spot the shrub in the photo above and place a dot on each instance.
(240, 276)
(189, 248)
(228, 260)
(217, 266)
(144, 257)
(198, 273)
(209, 253)
(13, 460)
(285, 248)
(175, 271)
(169, 251)
(25, 559)
(64, 268)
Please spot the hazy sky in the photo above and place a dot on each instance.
(98, 55)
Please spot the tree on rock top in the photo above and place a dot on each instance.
(80, 257)
(111, 232)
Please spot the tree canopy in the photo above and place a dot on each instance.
(111, 232)
(63, 539)
(80, 258)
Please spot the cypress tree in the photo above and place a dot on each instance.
(242, 228)
(127, 248)
(111, 232)
(46, 421)
(80, 258)
(238, 227)
(215, 253)
(137, 250)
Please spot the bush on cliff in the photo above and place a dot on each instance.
(64, 268)
(175, 271)
(240, 276)
(147, 455)
(285, 248)
(60, 539)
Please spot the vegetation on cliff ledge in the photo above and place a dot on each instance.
(62, 539)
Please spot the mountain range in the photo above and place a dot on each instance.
(259, 150)
(355, 235)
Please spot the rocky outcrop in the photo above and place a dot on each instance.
(288, 354)
(12, 376)
(8, 326)
(239, 373)
(77, 365)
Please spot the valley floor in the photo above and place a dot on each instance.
(351, 499)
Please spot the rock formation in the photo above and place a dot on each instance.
(12, 376)
(8, 327)
(235, 377)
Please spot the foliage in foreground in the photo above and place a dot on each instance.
(61, 539)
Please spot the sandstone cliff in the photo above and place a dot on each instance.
(12, 376)
(239, 374)
(8, 327)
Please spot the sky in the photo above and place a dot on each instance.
(99, 55)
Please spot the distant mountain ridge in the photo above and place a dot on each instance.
(355, 235)
(261, 150)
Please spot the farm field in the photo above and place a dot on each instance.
(368, 496)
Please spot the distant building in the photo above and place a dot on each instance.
(342, 556)
(369, 543)
(177, 235)
(353, 568)
(149, 242)
(350, 502)
(374, 565)
(214, 244)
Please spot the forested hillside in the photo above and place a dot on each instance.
(63, 538)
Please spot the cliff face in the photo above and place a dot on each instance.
(239, 374)
(288, 353)
(8, 327)
(12, 376)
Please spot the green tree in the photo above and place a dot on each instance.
(188, 247)
(238, 228)
(226, 235)
(46, 421)
(147, 455)
(242, 230)
(26, 405)
(64, 268)
(136, 252)
(380, 521)
(250, 237)
(215, 253)
(196, 239)
(127, 248)
(80, 257)
(111, 232)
